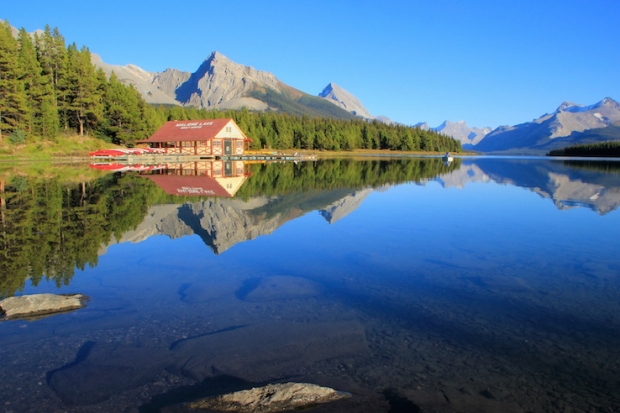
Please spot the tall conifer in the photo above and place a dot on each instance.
(30, 76)
(12, 96)
(83, 100)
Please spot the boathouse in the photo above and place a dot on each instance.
(210, 178)
(209, 137)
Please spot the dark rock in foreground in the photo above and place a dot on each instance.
(271, 398)
(36, 305)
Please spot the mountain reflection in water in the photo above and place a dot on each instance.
(430, 287)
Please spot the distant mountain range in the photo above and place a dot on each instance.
(463, 133)
(568, 125)
(568, 184)
(223, 84)
(468, 136)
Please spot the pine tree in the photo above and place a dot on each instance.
(52, 55)
(83, 104)
(33, 81)
(13, 107)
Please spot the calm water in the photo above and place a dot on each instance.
(489, 285)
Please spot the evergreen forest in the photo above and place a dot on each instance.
(600, 149)
(48, 88)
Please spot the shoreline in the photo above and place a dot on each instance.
(320, 154)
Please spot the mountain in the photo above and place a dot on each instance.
(218, 81)
(463, 133)
(223, 84)
(569, 124)
(139, 78)
(15, 31)
(340, 97)
(344, 206)
(568, 184)
(222, 223)
(384, 119)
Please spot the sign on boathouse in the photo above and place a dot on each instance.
(209, 137)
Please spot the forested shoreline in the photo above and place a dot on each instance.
(48, 89)
(601, 149)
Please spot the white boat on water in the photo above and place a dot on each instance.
(447, 157)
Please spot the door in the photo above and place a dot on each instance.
(227, 147)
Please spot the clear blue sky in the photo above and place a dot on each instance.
(489, 63)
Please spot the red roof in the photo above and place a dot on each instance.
(188, 130)
(189, 185)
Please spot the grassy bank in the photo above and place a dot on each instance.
(64, 148)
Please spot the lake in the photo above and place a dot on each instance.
(483, 285)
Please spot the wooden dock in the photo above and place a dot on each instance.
(150, 159)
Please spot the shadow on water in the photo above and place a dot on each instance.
(248, 286)
(400, 404)
(82, 355)
(224, 330)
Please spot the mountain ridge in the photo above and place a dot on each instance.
(463, 133)
(220, 83)
(560, 128)
(344, 99)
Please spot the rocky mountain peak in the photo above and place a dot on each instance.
(610, 103)
(219, 81)
(216, 55)
(461, 132)
(329, 89)
(565, 105)
(340, 97)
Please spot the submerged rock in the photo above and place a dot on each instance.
(271, 398)
(35, 305)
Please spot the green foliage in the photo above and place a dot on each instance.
(46, 87)
(13, 107)
(48, 228)
(601, 149)
(274, 130)
(17, 137)
(273, 179)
